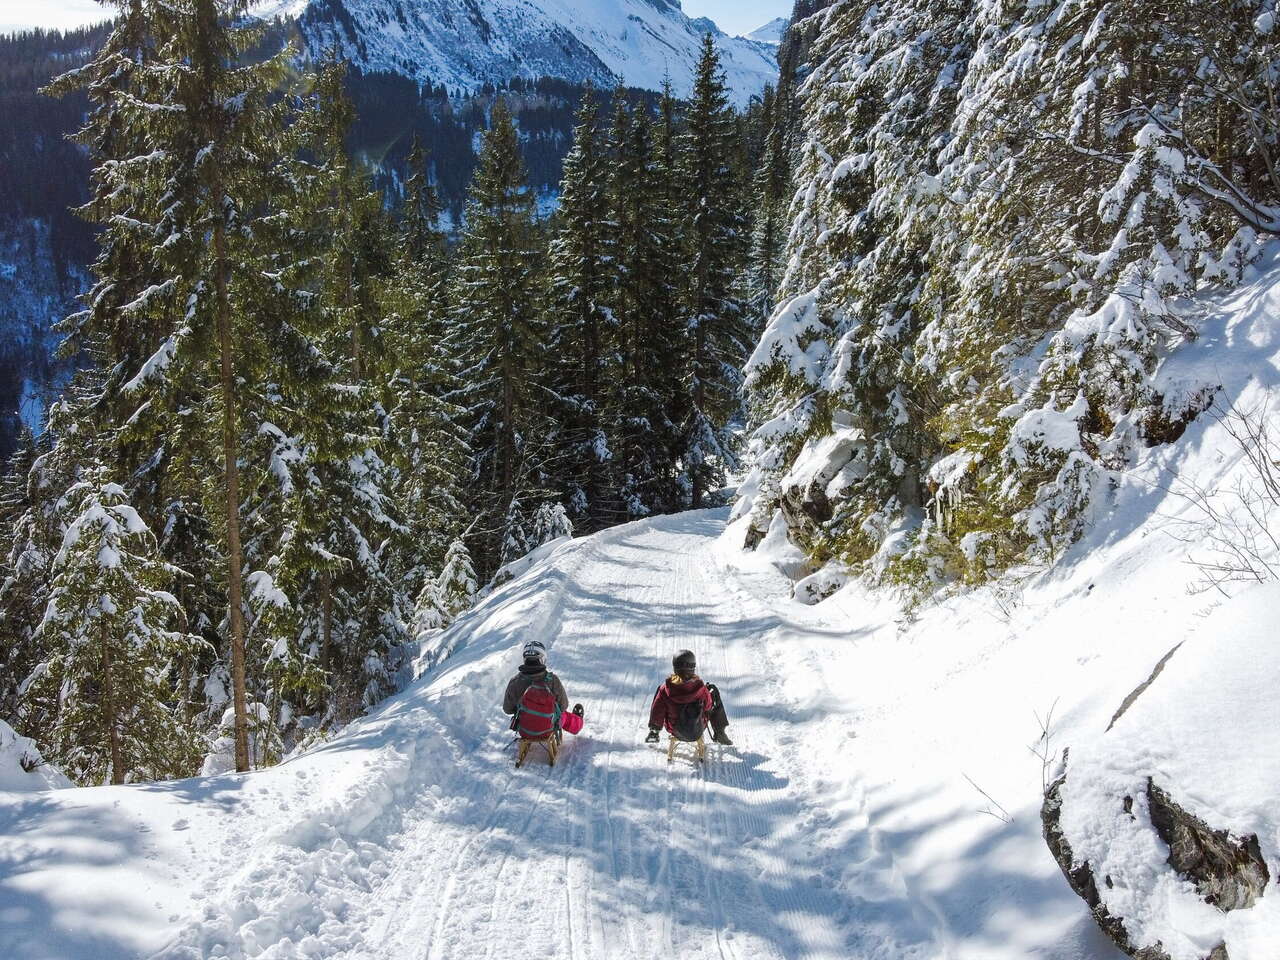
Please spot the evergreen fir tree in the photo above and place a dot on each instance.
(450, 593)
(27, 547)
(551, 522)
(329, 608)
(718, 324)
(772, 196)
(582, 334)
(423, 241)
(426, 430)
(499, 331)
(643, 239)
(111, 645)
(199, 152)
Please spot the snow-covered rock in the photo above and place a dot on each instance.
(22, 768)
(823, 469)
(1168, 824)
(466, 43)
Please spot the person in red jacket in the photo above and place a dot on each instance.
(683, 699)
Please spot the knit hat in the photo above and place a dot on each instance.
(684, 663)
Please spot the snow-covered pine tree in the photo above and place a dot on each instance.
(551, 522)
(1088, 219)
(643, 238)
(27, 547)
(329, 609)
(500, 335)
(456, 584)
(356, 252)
(110, 645)
(130, 313)
(423, 239)
(719, 327)
(515, 536)
(832, 382)
(665, 271)
(123, 195)
(772, 197)
(426, 437)
(200, 129)
(581, 326)
(448, 594)
(979, 188)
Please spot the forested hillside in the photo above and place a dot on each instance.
(46, 249)
(1000, 214)
(314, 411)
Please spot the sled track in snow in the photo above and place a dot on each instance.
(613, 854)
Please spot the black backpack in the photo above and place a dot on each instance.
(690, 721)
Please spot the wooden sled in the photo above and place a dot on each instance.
(699, 749)
(549, 743)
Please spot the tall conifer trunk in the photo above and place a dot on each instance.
(109, 713)
(235, 590)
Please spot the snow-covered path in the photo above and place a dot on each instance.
(614, 853)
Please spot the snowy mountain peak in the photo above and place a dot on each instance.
(771, 33)
(466, 43)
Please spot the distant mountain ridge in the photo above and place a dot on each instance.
(771, 33)
(463, 44)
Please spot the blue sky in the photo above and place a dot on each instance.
(734, 16)
(738, 16)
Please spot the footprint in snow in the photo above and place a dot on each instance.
(181, 824)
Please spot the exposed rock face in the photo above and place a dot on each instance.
(1080, 875)
(1141, 688)
(1229, 873)
(823, 469)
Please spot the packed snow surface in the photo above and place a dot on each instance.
(882, 800)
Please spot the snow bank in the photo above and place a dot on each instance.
(937, 736)
(22, 768)
(1207, 733)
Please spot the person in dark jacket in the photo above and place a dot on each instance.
(682, 687)
(533, 670)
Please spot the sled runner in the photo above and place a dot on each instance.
(550, 743)
(699, 748)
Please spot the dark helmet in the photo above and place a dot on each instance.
(685, 663)
(535, 653)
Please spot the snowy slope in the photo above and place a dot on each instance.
(848, 822)
(772, 32)
(464, 43)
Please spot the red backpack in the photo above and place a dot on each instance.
(539, 711)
